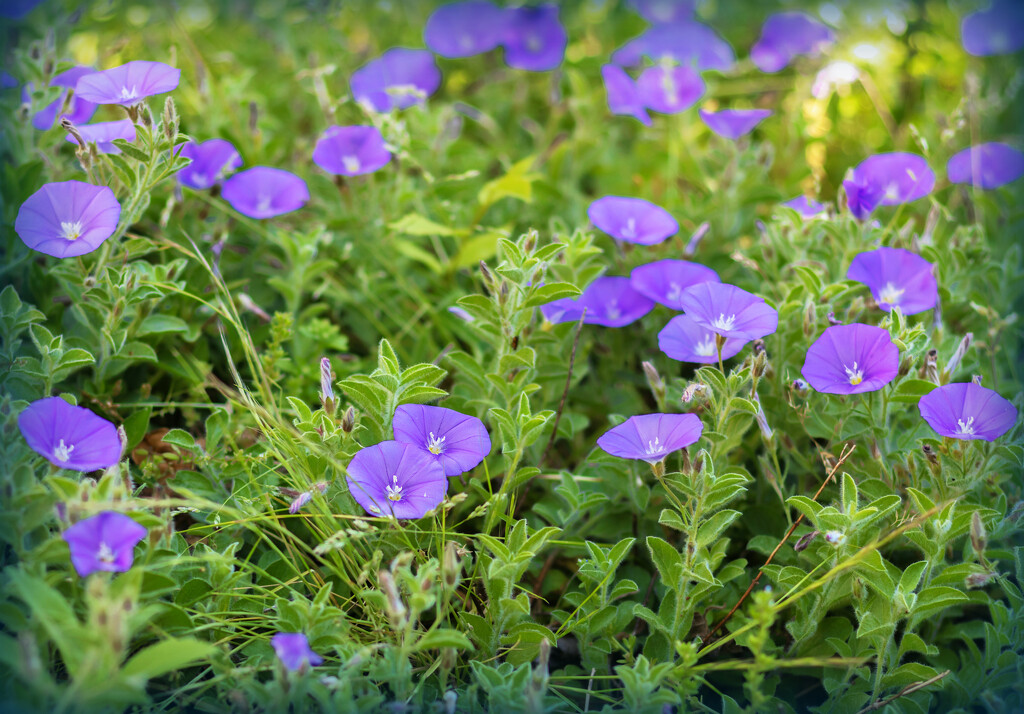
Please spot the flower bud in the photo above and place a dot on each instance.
(326, 390)
(930, 370)
(654, 381)
(695, 239)
(836, 538)
(170, 120)
(958, 356)
(395, 607)
(979, 538)
(805, 540)
(809, 318)
(979, 580)
(348, 421)
(762, 421)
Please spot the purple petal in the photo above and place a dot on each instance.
(534, 38)
(688, 43)
(609, 301)
(729, 311)
(623, 95)
(104, 542)
(786, 35)
(684, 340)
(967, 411)
(651, 437)
(351, 150)
(79, 110)
(17, 9)
(264, 192)
(997, 30)
(456, 441)
(665, 280)
(69, 437)
(991, 165)
(896, 277)
(385, 83)
(210, 161)
(391, 478)
(670, 90)
(293, 649)
(664, 11)
(464, 29)
(734, 123)
(806, 207)
(850, 359)
(887, 180)
(128, 84)
(67, 219)
(103, 134)
(633, 220)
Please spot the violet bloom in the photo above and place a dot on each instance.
(729, 311)
(128, 84)
(464, 29)
(651, 437)
(391, 478)
(688, 43)
(351, 150)
(68, 218)
(70, 437)
(850, 359)
(17, 9)
(103, 134)
(534, 38)
(670, 90)
(806, 207)
(665, 280)
(398, 79)
(79, 110)
(734, 123)
(787, 35)
(210, 161)
(664, 11)
(633, 220)
(684, 340)
(887, 180)
(896, 278)
(986, 165)
(456, 441)
(609, 301)
(623, 95)
(292, 648)
(104, 542)
(967, 411)
(996, 30)
(264, 192)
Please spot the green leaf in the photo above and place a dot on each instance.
(414, 224)
(912, 576)
(162, 324)
(910, 391)
(517, 183)
(667, 560)
(136, 426)
(711, 529)
(473, 250)
(552, 291)
(166, 656)
(180, 438)
(937, 597)
(129, 149)
(436, 639)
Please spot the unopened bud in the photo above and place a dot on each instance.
(800, 386)
(486, 273)
(810, 318)
(170, 120)
(395, 607)
(247, 304)
(958, 356)
(692, 390)
(832, 319)
(654, 381)
(836, 538)
(70, 128)
(762, 420)
(805, 540)
(695, 238)
(531, 241)
(760, 364)
(979, 538)
(326, 390)
(979, 580)
(348, 421)
(147, 116)
(122, 436)
(906, 364)
(930, 370)
(976, 378)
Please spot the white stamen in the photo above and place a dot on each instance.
(675, 292)
(965, 427)
(724, 323)
(435, 445)
(654, 447)
(629, 230)
(70, 229)
(890, 294)
(128, 94)
(612, 310)
(892, 192)
(395, 493)
(63, 452)
(105, 554)
(855, 375)
(534, 44)
(706, 348)
(263, 204)
(351, 164)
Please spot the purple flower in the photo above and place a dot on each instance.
(664, 11)
(787, 35)
(534, 38)
(456, 441)
(623, 95)
(351, 150)
(734, 123)
(464, 29)
(997, 30)
(896, 278)
(633, 220)
(461, 313)
(7, 81)
(729, 311)
(609, 301)
(651, 437)
(103, 134)
(670, 90)
(665, 280)
(684, 340)
(68, 436)
(850, 359)
(688, 43)
(79, 110)
(17, 9)
(967, 411)
(68, 218)
(391, 478)
(399, 78)
(806, 207)
(887, 180)
(264, 192)
(210, 161)
(104, 542)
(991, 165)
(292, 648)
(128, 84)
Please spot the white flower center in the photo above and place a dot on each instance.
(706, 348)
(199, 178)
(395, 492)
(654, 447)
(63, 451)
(351, 163)
(855, 375)
(612, 311)
(892, 192)
(629, 230)
(965, 427)
(890, 294)
(466, 42)
(105, 554)
(70, 229)
(263, 203)
(724, 323)
(668, 86)
(675, 292)
(533, 43)
(435, 445)
(127, 94)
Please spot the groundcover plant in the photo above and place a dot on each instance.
(600, 356)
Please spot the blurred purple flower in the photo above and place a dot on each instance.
(996, 30)
(399, 78)
(665, 280)
(729, 311)
(210, 161)
(103, 134)
(633, 220)
(623, 95)
(68, 218)
(664, 11)
(391, 478)
(684, 340)
(967, 411)
(609, 301)
(17, 9)
(887, 180)
(351, 150)
(689, 43)
(806, 207)
(7, 81)
(896, 278)
(534, 38)
(292, 648)
(79, 110)
(104, 542)
(670, 90)
(734, 123)
(991, 165)
(456, 441)
(850, 359)
(264, 192)
(464, 29)
(128, 84)
(787, 35)
(461, 313)
(651, 437)
(68, 436)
